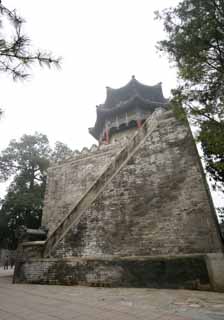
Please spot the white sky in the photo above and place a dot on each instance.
(103, 43)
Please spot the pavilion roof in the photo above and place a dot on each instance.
(131, 89)
(122, 99)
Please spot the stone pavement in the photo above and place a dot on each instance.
(36, 302)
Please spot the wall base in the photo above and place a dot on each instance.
(186, 272)
(215, 266)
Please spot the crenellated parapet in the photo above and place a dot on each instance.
(94, 150)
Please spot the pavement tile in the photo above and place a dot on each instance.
(37, 302)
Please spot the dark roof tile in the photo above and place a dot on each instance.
(132, 89)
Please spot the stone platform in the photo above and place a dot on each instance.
(35, 302)
(201, 272)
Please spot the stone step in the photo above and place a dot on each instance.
(120, 160)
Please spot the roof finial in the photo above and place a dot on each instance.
(133, 77)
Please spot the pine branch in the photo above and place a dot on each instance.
(16, 57)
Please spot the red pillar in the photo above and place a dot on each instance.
(139, 123)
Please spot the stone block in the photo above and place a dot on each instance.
(215, 266)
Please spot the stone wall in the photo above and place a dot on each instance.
(157, 205)
(188, 272)
(154, 224)
(68, 181)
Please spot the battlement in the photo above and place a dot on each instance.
(93, 151)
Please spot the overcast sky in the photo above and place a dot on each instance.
(102, 43)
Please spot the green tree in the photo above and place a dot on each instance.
(28, 157)
(4, 229)
(21, 206)
(16, 53)
(195, 44)
(26, 161)
(61, 152)
(212, 142)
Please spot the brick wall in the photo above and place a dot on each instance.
(188, 272)
(152, 226)
(69, 180)
(157, 204)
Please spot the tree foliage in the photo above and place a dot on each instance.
(21, 206)
(212, 142)
(61, 152)
(195, 44)
(221, 215)
(26, 162)
(28, 157)
(16, 53)
(4, 230)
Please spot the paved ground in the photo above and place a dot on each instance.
(36, 302)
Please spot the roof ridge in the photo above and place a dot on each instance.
(133, 80)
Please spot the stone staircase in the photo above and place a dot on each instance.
(120, 160)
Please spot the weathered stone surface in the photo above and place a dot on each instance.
(99, 185)
(26, 252)
(157, 205)
(215, 263)
(68, 181)
(168, 272)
